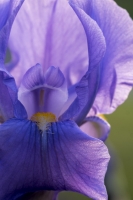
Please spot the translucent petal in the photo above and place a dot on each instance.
(57, 39)
(116, 71)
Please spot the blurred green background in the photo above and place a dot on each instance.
(121, 142)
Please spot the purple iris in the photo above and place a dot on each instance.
(85, 53)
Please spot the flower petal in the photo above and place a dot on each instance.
(61, 158)
(87, 87)
(4, 12)
(54, 77)
(116, 71)
(53, 41)
(86, 91)
(100, 127)
(41, 92)
(8, 11)
(86, 160)
(19, 148)
(9, 105)
(57, 95)
(71, 97)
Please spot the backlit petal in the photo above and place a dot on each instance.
(49, 32)
(88, 86)
(116, 71)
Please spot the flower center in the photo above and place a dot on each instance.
(43, 120)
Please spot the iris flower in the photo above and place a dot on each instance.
(84, 55)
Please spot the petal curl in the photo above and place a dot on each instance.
(9, 105)
(56, 34)
(97, 127)
(116, 78)
(62, 158)
(8, 11)
(88, 86)
(43, 92)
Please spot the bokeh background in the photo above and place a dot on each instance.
(120, 142)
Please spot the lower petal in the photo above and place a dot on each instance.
(61, 158)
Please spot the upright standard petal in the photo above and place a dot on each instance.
(57, 38)
(9, 105)
(87, 87)
(60, 158)
(8, 11)
(116, 71)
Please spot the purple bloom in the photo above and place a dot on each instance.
(41, 146)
